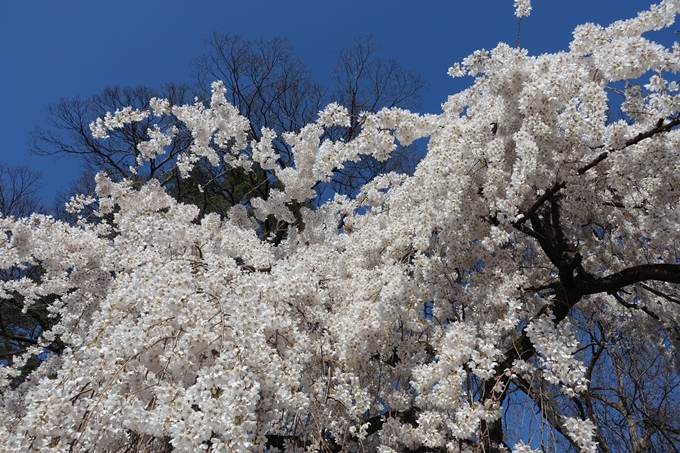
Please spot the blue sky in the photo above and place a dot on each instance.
(53, 49)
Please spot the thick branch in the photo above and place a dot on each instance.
(13, 337)
(662, 272)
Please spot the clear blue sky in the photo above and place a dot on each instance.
(52, 49)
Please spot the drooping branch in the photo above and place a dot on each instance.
(548, 407)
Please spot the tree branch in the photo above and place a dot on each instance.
(557, 186)
(662, 272)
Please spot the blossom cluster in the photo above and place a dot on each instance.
(522, 8)
(556, 346)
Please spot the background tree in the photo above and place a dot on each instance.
(19, 186)
(69, 134)
(365, 82)
(264, 80)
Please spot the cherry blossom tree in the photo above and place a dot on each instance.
(534, 247)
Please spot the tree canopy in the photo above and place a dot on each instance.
(526, 270)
